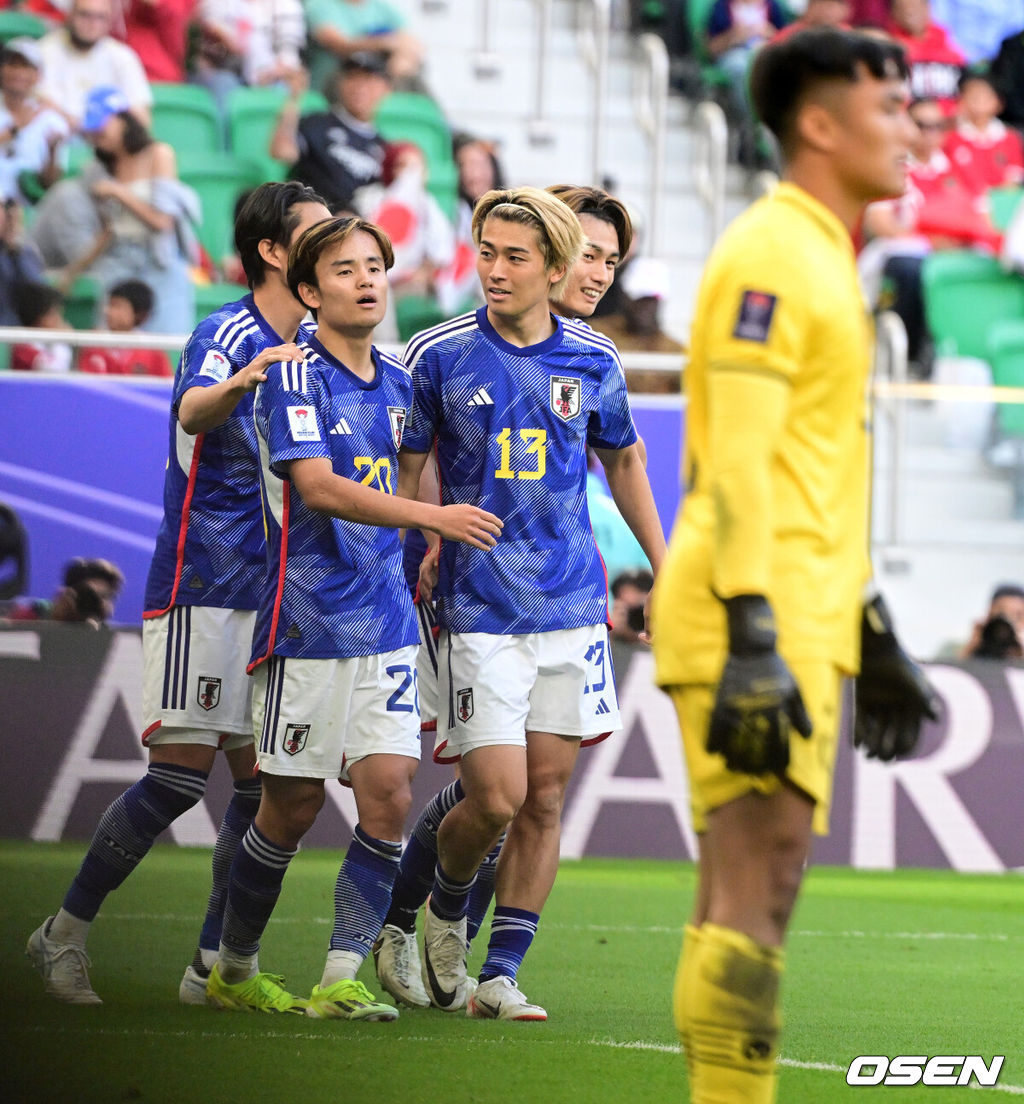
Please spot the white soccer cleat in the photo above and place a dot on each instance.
(64, 967)
(444, 961)
(501, 999)
(192, 989)
(397, 958)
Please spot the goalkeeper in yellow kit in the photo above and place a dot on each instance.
(760, 611)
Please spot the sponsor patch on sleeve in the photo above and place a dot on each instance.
(754, 322)
(216, 365)
(302, 422)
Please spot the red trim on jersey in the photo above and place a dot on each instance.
(149, 732)
(280, 582)
(186, 509)
(439, 753)
(590, 741)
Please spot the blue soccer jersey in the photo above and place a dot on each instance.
(210, 549)
(335, 588)
(512, 427)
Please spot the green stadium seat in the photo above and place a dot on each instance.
(185, 116)
(82, 302)
(211, 296)
(697, 12)
(415, 313)
(219, 179)
(413, 117)
(965, 295)
(1003, 203)
(252, 116)
(16, 23)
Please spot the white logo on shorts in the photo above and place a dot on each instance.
(295, 738)
(464, 704)
(208, 694)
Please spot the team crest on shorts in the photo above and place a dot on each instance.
(396, 415)
(295, 738)
(464, 704)
(565, 396)
(208, 693)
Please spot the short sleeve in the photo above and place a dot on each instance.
(204, 362)
(290, 415)
(610, 425)
(426, 403)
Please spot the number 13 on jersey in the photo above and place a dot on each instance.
(536, 445)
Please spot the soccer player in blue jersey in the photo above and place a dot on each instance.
(201, 594)
(512, 396)
(334, 649)
(608, 234)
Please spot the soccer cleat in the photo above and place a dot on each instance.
(444, 961)
(260, 993)
(397, 958)
(348, 1000)
(64, 967)
(501, 999)
(192, 989)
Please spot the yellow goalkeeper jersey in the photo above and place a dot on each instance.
(777, 444)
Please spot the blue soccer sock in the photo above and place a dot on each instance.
(483, 891)
(254, 886)
(362, 892)
(512, 932)
(237, 818)
(416, 870)
(449, 899)
(126, 832)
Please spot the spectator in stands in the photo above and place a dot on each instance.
(248, 42)
(736, 28)
(1008, 73)
(337, 152)
(20, 262)
(819, 13)
(30, 132)
(39, 307)
(129, 306)
(340, 28)
(81, 56)
(146, 216)
(935, 60)
(421, 235)
(87, 596)
(978, 26)
(629, 592)
(869, 13)
(157, 30)
(1000, 634)
(983, 151)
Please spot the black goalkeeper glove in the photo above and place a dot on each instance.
(758, 701)
(893, 697)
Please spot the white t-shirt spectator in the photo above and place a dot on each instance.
(29, 149)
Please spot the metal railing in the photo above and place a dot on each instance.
(891, 364)
(650, 98)
(710, 159)
(539, 129)
(595, 34)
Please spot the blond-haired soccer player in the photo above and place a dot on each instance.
(512, 396)
(334, 647)
(758, 611)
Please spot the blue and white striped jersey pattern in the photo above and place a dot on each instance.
(210, 549)
(512, 427)
(335, 588)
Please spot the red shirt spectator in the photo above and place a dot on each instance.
(984, 152)
(157, 31)
(869, 13)
(935, 60)
(125, 362)
(819, 13)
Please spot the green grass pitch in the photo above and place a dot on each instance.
(878, 963)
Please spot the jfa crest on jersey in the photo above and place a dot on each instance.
(512, 427)
(397, 415)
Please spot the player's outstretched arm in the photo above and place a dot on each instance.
(321, 489)
(205, 408)
(892, 697)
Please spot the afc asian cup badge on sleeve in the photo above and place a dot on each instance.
(565, 396)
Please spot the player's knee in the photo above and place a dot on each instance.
(544, 800)
(286, 818)
(496, 808)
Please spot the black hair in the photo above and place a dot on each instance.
(136, 138)
(80, 571)
(33, 301)
(269, 211)
(977, 73)
(1007, 590)
(783, 73)
(139, 296)
(642, 579)
(464, 138)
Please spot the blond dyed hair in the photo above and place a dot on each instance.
(558, 228)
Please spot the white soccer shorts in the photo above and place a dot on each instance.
(313, 718)
(193, 676)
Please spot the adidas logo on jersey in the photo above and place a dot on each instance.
(481, 398)
(602, 707)
(342, 427)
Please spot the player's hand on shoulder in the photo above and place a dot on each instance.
(255, 372)
(469, 524)
(758, 704)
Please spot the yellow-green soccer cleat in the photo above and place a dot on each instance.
(348, 1000)
(261, 993)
